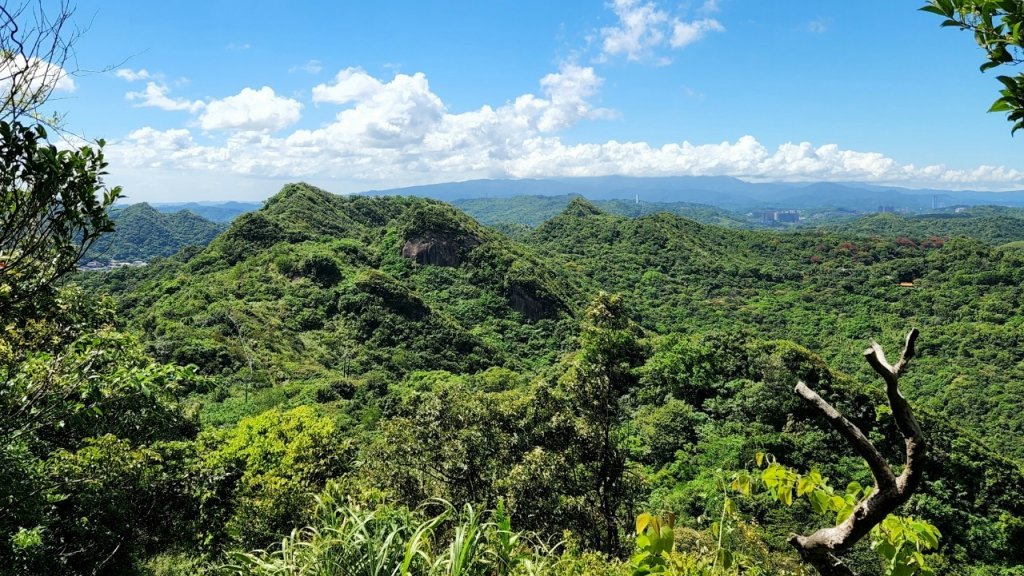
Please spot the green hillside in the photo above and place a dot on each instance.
(322, 286)
(142, 233)
(535, 210)
(830, 292)
(388, 359)
(990, 224)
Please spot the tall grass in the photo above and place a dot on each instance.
(349, 540)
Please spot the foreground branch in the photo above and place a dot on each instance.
(821, 549)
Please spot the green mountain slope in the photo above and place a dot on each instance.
(322, 286)
(141, 233)
(990, 224)
(535, 210)
(449, 361)
(830, 292)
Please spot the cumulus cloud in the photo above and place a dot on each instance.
(132, 75)
(642, 28)
(392, 132)
(350, 84)
(405, 117)
(155, 96)
(32, 76)
(639, 30)
(251, 110)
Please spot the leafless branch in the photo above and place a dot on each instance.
(822, 548)
(36, 47)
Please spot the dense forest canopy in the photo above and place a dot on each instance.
(400, 352)
(536, 385)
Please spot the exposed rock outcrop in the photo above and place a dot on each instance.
(439, 251)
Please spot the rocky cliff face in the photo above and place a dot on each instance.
(529, 304)
(439, 251)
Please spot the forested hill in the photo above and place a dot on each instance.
(535, 210)
(827, 291)
(406, 283)
(315, 285)
(386, 351)
(990, 224)
(141, 233)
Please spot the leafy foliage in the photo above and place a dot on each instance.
(385, 353)
(996, 26)
(53, 206)
(900, 541)
(143, 233)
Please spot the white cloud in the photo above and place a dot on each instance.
(747, 159)
(32, 76)
(251, 110)
(643, 28)
(399, 132)
(710, 7)
(391, 115)
(686, 33)
(310, 67)
(567, 92)
(818, 26)
(151, 147)
(640, 29)
(155, 96)
(132, 75)
(351, 84)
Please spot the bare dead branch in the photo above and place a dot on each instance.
(848, 430)
(822, 548)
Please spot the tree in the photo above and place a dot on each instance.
(820, 549)
(602, 374)
(53, 206)
(53, 203)
(997, 28)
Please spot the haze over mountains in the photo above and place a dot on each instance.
(214, 211)
(722, 192)
(145, 231)
(719, 191)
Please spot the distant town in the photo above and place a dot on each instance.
(98, 266)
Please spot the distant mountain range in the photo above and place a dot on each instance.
(222, 212)
(718, 191)
(145, 231)
(721, 192)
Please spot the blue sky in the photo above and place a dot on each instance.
(224, 100)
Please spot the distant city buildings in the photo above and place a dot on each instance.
(777, 216)
(96, 266)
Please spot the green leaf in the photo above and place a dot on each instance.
(642, 521)
(786, 496)
(725, 558)
(932, 9)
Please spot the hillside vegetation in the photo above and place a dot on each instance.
(383, 381)
(990, 224)
(533, 211)
(142, 233)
